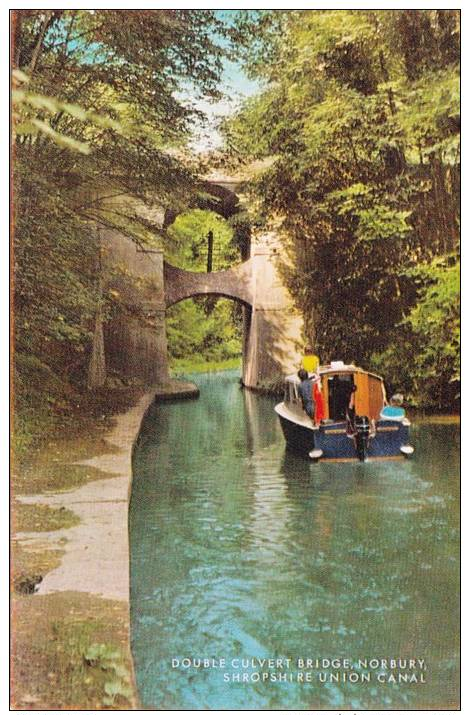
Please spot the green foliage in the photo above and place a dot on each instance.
(40, 397)
(101, 654)
(189, 240)
(198, 363)
(435, 325)
(429, 113)
(237, 140)
(194, 333)
(28, 104)
(360, 115)
(109, 659)
(99, 129)
(427, 341)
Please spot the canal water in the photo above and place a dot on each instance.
(247, 560)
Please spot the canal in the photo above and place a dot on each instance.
(246, 561)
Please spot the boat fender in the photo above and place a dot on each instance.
(315, 453)
(407, 450)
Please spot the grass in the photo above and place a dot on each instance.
(45, 444)
(29, 426)
(46, 404)
(183, 366)
(67, 653)
(39, 517)
(49, 471)
(30, 565)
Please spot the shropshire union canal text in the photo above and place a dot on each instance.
(396, 671)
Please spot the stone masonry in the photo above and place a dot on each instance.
(135, 341)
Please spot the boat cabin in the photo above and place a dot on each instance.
(342, 435)
(336, 382)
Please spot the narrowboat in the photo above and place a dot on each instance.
(364, 428)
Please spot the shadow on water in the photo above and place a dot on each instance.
(241, 549)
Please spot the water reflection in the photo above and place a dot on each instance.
(241, 549)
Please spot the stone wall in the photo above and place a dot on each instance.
(275, 337)
(135, 339)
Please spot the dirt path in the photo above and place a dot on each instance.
(96, 558)
(71, 639)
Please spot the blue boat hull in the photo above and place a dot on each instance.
(335, 443)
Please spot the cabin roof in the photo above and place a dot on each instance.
(335, 368)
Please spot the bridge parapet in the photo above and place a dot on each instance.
(235, 283)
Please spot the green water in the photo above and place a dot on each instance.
(240, 550)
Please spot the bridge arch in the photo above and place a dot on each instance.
(135, 341)
(234, 283)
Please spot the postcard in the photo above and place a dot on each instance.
(235, 285)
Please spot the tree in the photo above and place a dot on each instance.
(365, 164)
(99, 112)
(189, 241)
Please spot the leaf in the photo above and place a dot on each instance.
(117, 687)
(20, 76)
(74, 110)
(101, 652)
(26, 128)
(120, 670)
(61, 139)
(18, 96)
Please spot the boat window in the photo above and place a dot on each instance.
(339, 393)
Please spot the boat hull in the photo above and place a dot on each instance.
(335, 443)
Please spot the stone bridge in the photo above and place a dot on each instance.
(135, 341)
(235, 283)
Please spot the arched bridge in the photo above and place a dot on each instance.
(235, 283)
(135, 340)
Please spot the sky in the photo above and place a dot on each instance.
(235, 85)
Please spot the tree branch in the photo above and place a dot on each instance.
(51, 16)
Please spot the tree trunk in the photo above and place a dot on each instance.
(97, 366)
(51, 16)
(210, 248)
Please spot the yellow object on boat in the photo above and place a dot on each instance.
(310, 362)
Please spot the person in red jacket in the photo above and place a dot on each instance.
(320, 413)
